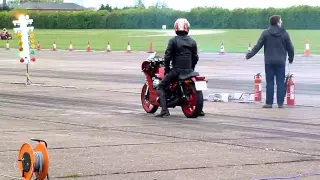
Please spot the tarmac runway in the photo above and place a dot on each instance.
(88, 110)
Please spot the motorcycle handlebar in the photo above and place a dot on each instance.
(157, 60)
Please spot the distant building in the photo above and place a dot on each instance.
(80, 2)
(52, 6)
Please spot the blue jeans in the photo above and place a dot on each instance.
(278, 71)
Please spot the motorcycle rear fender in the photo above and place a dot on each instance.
(194, 79)
(199, 78)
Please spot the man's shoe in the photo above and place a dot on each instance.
(280, 106)
(164, 112)
(267, 106)
(202, 113)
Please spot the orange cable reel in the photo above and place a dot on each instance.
(34, 161)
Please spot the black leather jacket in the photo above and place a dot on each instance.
(183, 52)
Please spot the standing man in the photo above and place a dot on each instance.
(277, 44)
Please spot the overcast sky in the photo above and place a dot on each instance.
(188, 4)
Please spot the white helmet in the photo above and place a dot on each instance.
(182, 24)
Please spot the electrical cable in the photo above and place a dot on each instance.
(39, 162)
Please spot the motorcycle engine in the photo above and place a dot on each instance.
(155, 82)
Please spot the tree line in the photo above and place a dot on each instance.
(159, 4)
(296, 17)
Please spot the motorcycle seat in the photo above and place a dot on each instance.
(184, 76)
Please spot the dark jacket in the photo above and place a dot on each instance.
(277, 44)
(183, 52)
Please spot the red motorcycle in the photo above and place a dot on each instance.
(185, 91)
(5, 36)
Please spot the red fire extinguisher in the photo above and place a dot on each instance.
(257, 88)
(290, 91)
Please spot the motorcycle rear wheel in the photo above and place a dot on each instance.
(147, 106)
(192, 108)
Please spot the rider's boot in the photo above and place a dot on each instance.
(163, 104)
(202, 113)
(164, 112)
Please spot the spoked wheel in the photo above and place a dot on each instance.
(146, 104)
(192, 107)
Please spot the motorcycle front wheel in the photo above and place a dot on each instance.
(146, 104)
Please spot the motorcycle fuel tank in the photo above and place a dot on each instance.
(159, 72)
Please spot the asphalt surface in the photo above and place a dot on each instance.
(87, 107)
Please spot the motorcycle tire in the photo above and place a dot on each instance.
(197, 100)
(145, 106)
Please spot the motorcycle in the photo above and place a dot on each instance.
(185, 91)
(5, 36)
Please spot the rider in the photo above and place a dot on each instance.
(183, 51)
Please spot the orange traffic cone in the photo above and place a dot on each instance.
(222, 51)
(307, 50)
(70, 46)
(249, 47)
(128, 48)
(108, 47)
(38, 46)
(7, 46)
(150, 48)
(54, 48)
(88, 47)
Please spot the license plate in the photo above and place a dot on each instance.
(201, 85)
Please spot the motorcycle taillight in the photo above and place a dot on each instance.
(201, 78)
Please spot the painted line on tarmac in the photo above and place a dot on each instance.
(138, 92)
(231, 144)
(70, 87)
